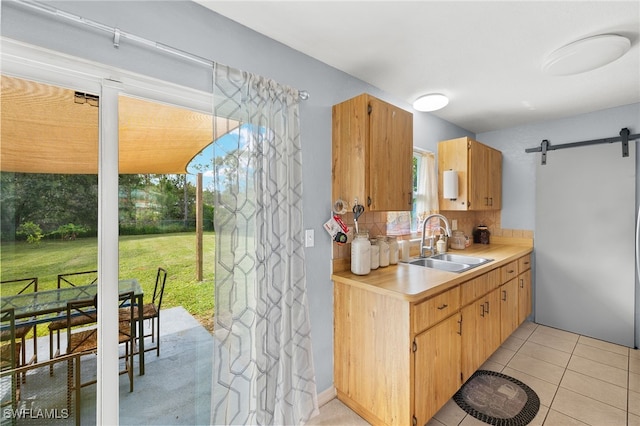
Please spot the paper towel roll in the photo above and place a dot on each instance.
(450, 184)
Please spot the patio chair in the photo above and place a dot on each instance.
(12, 288)
(73, 279)
(9, 357)
(83, 340)
(151, 311)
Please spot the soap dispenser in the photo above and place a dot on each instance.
(441, 245)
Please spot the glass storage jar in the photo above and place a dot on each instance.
(393, 250)
(384, 251)
(361, 254)
(375, 254)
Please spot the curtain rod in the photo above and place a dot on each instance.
(624, 137)
(118, 34)
(422, 150)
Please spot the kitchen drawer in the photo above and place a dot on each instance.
(524, 263)
(472, 289)
(509, 271)
(479, 286)
(431, 311)
(494, 280)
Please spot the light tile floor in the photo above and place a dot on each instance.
(579, 380)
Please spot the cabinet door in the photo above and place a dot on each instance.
(524, 295)
(349, 150)
(485, 177)
(453, 155)
(390, 157)
(437, 367)
(480, 331)
(508, 308)
(472, 337)
(494, 179)
(492, 323)
(478, 176)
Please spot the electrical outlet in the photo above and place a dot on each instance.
(454, 225)
(309, 238)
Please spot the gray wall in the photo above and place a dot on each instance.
(195, 29)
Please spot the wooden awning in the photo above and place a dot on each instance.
(48, 129)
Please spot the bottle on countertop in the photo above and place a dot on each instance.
(441, 246)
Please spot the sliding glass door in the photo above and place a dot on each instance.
(141, 207)
(49, 249)
(166, 245)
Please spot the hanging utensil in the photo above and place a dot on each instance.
(358, 209)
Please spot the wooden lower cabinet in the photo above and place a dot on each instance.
(437, 367)
(373, 358)
(398, 362)
(480, 332)
(509, 315)
(524, 295)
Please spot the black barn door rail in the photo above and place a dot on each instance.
(624, 137)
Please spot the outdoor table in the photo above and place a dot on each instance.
(49, 305)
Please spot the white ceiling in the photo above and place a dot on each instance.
(486, 56)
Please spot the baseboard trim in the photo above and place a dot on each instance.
(326, 396)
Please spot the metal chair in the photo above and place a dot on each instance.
(83, 340)
(9, 356)
(74, 279)
(15, 287)
(151, 311)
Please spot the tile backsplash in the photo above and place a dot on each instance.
(376, 222)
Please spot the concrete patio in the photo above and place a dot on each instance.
(176, 387)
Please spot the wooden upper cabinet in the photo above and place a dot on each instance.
(479, 170)
(372, 154)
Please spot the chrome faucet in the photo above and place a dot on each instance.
(447, 230)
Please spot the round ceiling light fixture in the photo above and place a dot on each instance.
(586, 54)
(430, 102)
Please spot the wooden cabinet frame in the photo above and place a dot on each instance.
(372, 151)
(479, 170)
(398, 362)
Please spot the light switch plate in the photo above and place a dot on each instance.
(309, 238)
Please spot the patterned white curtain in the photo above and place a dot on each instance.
(427, 191)
(263, 368)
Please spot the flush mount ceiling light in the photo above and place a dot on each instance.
(586, 54)
(430, 102)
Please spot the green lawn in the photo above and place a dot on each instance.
(140, 256)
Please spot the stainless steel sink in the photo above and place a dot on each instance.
(459, 258)
(450, 262)
(440, 264)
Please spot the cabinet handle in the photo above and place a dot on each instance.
(482, 306)
(486, 201)
(511, 271)
(368, 201)
(491, 201)
(521, 282)
(504, 295)
(410, 198)
(526, 263)
(460, 327)
(444, 305)
(487, 303)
